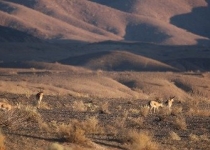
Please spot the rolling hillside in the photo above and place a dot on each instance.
(117, 61)
(93, 20)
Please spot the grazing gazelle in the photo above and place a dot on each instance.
(5, 106)
(170, 102)
(155, 105)
(39, 97)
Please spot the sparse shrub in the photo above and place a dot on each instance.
(134, 111)
(120, 122)
(44, 126)
(193, 137)
(91, 125)
(79, 106)
(144, 110)
(204, 137)
(55, 146)
(72, 133)
(140, 141)
(174, 136)
(181, 123)
(91, 107)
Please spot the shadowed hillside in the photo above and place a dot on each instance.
(188, 21)
(12, 35)
(117, 61)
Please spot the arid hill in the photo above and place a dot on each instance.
(91, 21)
(117, 61)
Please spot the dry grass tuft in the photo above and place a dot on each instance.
(120, 122)
(141, 140)
(144, 110)
(174, 136)
(2, 138)
(79, 106)
(193, 137)
(91, 126)
(55, 146)
(91, 107)
(204, 137)
(180, 122)
(134, 111)
(72, 133)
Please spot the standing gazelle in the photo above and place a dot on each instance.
(170, 102)
(155, 105)
(39, 97)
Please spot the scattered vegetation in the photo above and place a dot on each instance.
(134, 127)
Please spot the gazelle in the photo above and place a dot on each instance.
(155, 105)
(5, 106)
(170, 102)
(39, 97)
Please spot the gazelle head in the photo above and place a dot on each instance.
(171, 99)
(39, 97)
(170, 102)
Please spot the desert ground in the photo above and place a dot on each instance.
(99, 100)
(99, 64)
